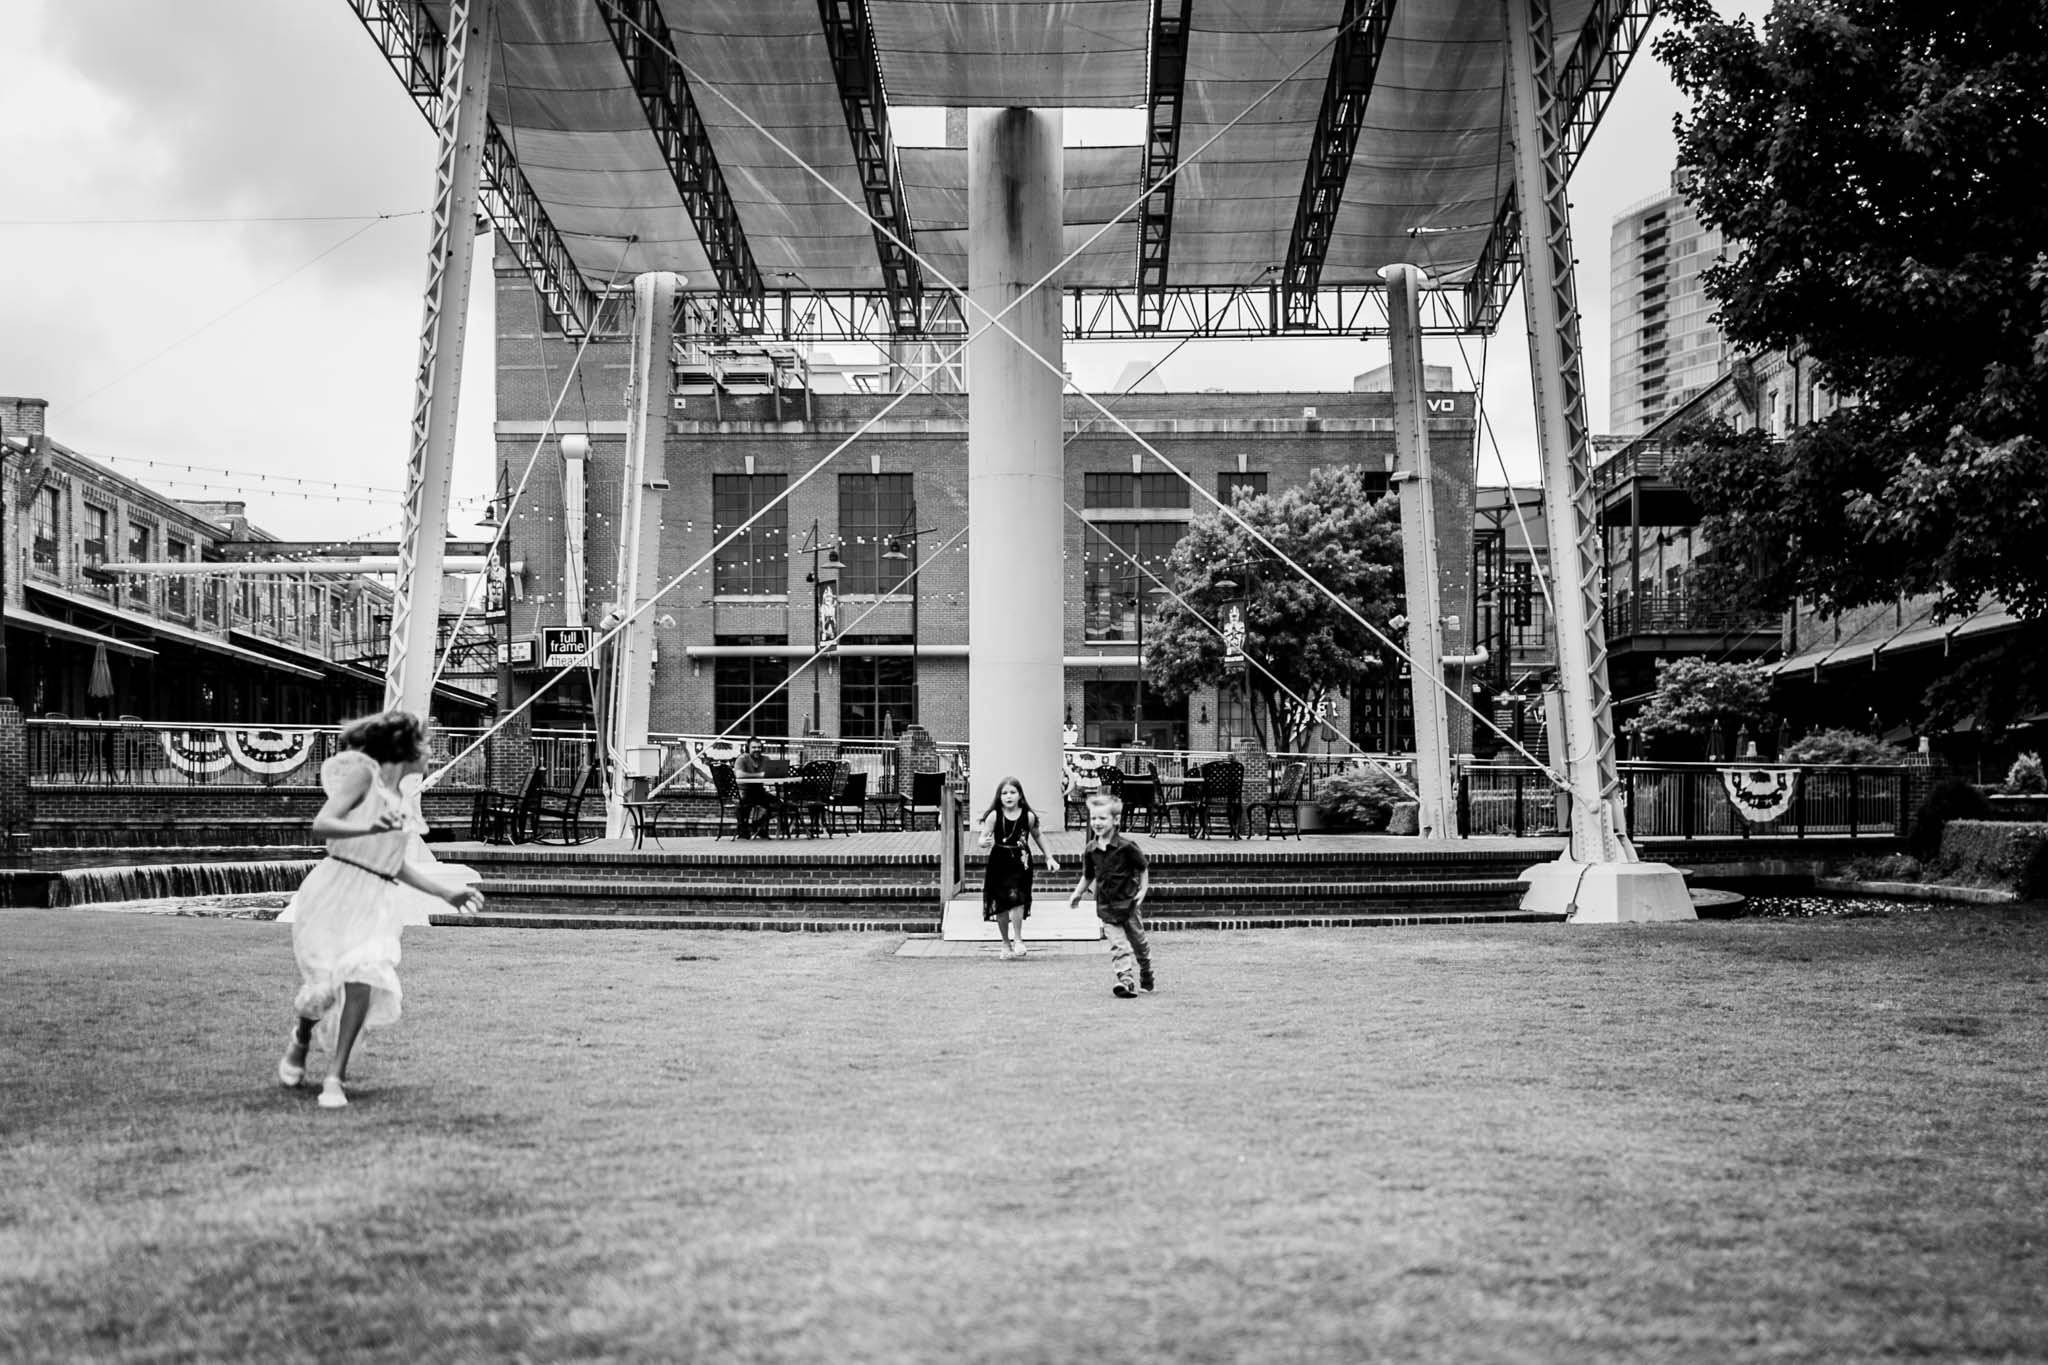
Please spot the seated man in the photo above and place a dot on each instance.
(757, 803)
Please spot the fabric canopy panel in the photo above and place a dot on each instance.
(1014, 53)
(1429, 173)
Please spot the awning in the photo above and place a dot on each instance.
(444, 691)
(164, 630)
(1917, 636)
(64, 630)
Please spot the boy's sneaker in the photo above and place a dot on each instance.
(1123, 989)
(1145, 982)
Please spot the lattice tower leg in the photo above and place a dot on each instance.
(460, 129)
(1556, 366)
(1433, 786)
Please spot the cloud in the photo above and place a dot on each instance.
(219, 109)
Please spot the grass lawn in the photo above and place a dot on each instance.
(1734, 1141)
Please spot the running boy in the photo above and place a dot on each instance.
(1115, 868)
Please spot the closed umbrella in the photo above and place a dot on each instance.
(101, 684)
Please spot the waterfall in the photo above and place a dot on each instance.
(158, 881)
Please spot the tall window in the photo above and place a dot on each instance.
(875, 693)
(49, 510)
(1113, 587)
(1109, 717)
(177, 588)
(1227, 486)
(756, 563)
(99, 528)
(747, 693)
(873, 508)
(139, 541)
(1133, 490)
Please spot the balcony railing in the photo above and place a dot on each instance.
(91, 753)
(1648, 460)
(1691, 801)
(1680, 613)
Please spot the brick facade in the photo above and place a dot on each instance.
(1282, 435)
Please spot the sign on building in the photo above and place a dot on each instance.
(561, 646)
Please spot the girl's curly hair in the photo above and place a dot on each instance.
(388, 736)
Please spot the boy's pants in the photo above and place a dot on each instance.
(1126, 935)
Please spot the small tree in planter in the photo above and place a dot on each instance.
(1840, 746)
(1695, 695)
(1357, 797)
(2025, 777)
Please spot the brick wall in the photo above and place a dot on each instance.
(925, 435)
(100, 817)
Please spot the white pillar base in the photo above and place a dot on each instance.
(1050, 920)
(1609, 893)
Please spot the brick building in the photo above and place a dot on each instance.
(86, 643)
(745, 616)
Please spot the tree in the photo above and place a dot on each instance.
(1695, 695)
(1333, 528)
(1877, 168)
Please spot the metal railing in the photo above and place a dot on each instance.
(96, 753)
(1692, 801)
(1671, 613)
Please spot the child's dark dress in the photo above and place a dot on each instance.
(1007, 882)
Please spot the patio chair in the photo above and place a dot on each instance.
(565, 809)
(728, 789)
(505, 818)
(1278, 807)
(1222, 797)
(923, 799)
(809, 795)
(850, 804)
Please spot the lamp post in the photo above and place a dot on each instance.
(498, 586)
(824, 579)
(895, 552)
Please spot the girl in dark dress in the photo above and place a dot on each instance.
(1008, 827)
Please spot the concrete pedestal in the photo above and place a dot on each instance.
(1050, 920)
(1609, 893)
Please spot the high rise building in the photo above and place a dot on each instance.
(1664, 345)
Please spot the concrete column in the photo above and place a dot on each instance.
(641, 484)
(1016, 604)
(1433, 788)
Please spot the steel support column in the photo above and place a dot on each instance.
(437, 384)
(1600, 878)
(641, 484)
(1433, 786)
(1556, 365)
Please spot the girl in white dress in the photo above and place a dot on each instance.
(348, 912)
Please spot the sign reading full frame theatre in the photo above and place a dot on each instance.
(561, 646)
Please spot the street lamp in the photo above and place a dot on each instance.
(824, 580)
(1138, 604)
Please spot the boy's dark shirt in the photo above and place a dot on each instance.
(1114, 871)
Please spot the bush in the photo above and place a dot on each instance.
(1359, 796)
(1996, 852)
(2025, 777)
(1840, 746)
(1949, 799)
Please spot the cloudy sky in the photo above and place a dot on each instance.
(212, 256)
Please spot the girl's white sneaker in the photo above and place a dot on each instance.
(332, 1096)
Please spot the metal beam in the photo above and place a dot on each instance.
(1162, 158)
(641, 35)
(850, 40)
(1354, 61)
(266, 549)
(1110, 314)
(1608, 41)
(412, 42)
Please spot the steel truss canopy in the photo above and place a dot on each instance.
(1315, 141)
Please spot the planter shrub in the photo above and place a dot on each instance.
(1947, 800)
(1358, 797)
(2004, 852)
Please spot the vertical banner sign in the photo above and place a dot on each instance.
(828, 618)
(1233, 642)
